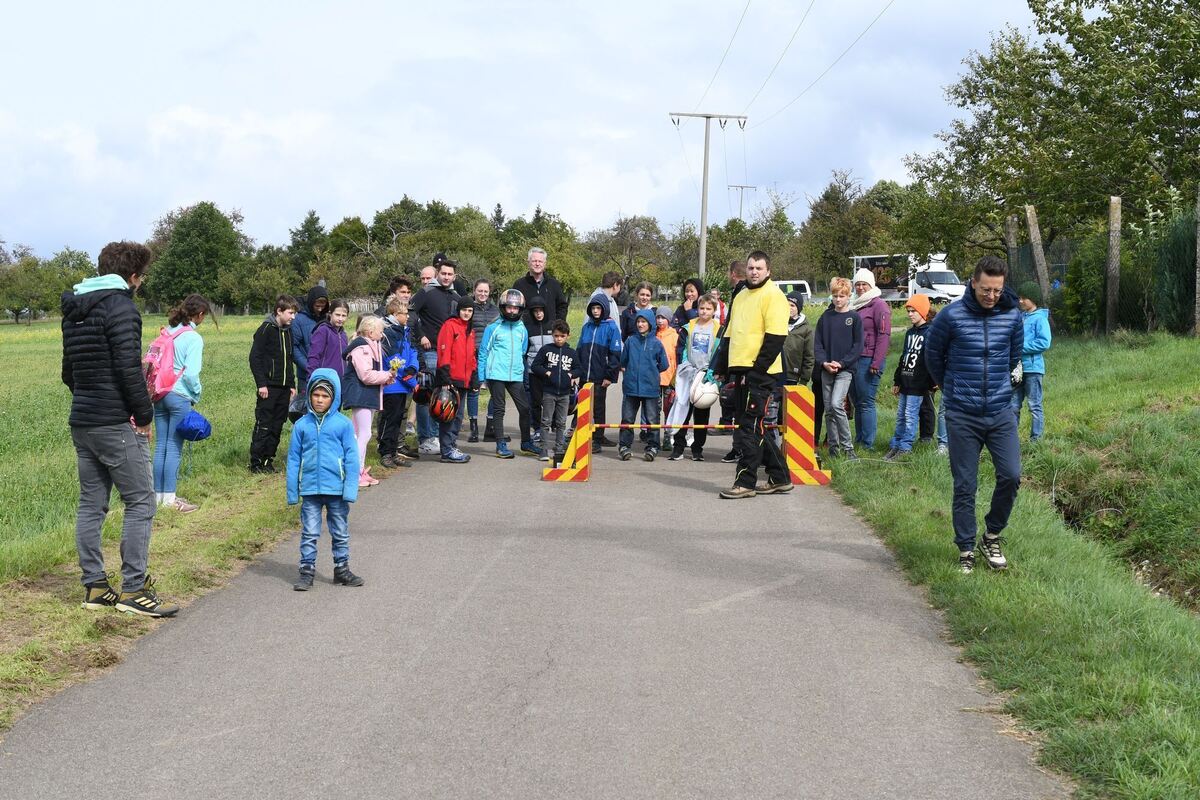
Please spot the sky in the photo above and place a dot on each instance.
(113, 114)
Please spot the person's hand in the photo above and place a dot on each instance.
(875, 371)
(606, 383)
(292, 393)
(1018, 374)
(829, 367)
(895, 391)
(425, 343)
(687, 304)
(262, 392)
(143, 430)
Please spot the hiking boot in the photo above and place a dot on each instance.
(502, 451)
(649, 455)
(624, 453)
(388, 461)
(401, 460)
(183, 506)
(676, 455)
(342, 575)
(98, 596)
(738, 492)
(145, 602)
(474, 437)
(990, 547)
(774, 488)
(697, 456)
(455, 456)
(851, 455)
(966, 562)
(530, 449)
(489, 431)
(407, 452)
(943, 450)
(305, 580)
(891, 454)
(732, 457)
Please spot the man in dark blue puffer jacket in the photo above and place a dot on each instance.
(973, 352)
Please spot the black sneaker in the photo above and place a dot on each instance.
(992, 556)
(676, 455)
(851, 455)
(596, 446)
(966, 562)
(99, 596)
(732, 457)
(624, 453)
(649, 455)
(697, 456)
(145, 602)
(344, 577)
(269, 466)
(305, 581)
(605, 441)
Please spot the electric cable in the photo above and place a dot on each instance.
(781, 55)
(723, 56)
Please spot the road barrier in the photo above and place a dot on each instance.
(799, 448)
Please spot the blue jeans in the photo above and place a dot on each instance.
(649, 407)
(907, 413)
(448, 431)
(863, 392)
(168, 445)
(1030, 389)
(337, 512)
(969, 434)
(942, 436)
(427, 426)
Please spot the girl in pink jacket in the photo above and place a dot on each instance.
(362, 386)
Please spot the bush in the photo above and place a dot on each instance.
(1175, 276)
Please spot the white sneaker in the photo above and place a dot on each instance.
(429, 447)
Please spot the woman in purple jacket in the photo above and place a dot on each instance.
(877, 334)
(329, 340)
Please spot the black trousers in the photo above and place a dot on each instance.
(391, 422)
(599, 406)
(756, 445)
(270, 413)
(927, 418)
(700, 416)
(818, 407)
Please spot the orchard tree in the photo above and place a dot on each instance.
(305, 241)
(202, 241)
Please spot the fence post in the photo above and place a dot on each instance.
(1113, 266)
(1039, 256)
(1010, 243)
(1196, 320)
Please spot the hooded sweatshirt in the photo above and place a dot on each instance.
(271, 355)
(397, 346)
(502, 353)
(672, 344)
(325, 349)
(1036, 324)
(102, 354)
(323, 453)
(912, 375)
(643, 359)
(189, 360)
(558, 367)
(456, 353)
(365, 375)
(599, 345)
(540, 333)
(303, 326)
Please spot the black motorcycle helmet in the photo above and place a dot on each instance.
(512, 303)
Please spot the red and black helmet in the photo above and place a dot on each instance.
(443, 405)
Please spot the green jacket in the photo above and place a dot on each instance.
(798, 352)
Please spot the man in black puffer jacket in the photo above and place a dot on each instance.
(973, 351)
(102, 366)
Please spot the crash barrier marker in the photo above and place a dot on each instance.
(799, 446)
(577, 464)
(798, 440)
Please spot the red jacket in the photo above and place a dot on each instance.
(456, 352)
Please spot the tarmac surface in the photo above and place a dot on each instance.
(629, 637)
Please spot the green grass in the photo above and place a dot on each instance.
(1105, 671)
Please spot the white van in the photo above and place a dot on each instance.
(795, 286)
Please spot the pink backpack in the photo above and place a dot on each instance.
(159, 364)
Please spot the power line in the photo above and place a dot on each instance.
(723, 55)
(827, 69)
(683, 150)
(781, 55)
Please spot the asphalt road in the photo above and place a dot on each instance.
(630, 637)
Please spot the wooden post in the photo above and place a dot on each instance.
(1196, 327)
(1039, 256)
(1113, 267)
(1010, 243)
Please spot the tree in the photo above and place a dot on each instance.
(842, 222)
(202, 241)
(629, 246)
(497, 218)
(305, 241)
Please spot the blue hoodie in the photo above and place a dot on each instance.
(323, 453)
(599, 345)
(643, 359)
(397, 343)
(502, 353)
(1037, 340)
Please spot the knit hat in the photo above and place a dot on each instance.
(797, 298)
(663, 311)
(1030, 291)
(864, 275)
(920, 304)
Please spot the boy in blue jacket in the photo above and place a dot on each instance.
(599, 351)
(322, 473)
(1036, 323)
(401, 357)
(642, 359)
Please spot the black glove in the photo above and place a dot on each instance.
(443, 375)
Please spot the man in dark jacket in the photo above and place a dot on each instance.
(427, 313)
(274, 374)
(750, 353)
(316, 308)
(537, 283)
(102, 366)
(972, 351)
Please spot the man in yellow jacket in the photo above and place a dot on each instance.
(750, 355)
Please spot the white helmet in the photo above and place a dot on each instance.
(704, 394)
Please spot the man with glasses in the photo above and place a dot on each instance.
(973, 351)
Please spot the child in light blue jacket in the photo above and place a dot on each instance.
(322, 474)
(1036, 322)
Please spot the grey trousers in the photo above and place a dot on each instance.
(834, 388)
(107, 456)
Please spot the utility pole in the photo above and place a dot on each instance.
(708, 118)
(741, 187)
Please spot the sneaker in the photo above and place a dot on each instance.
(732, 457)
(624, 453)
(773, 488)
(530, 449)
(597, 446)
(502, 451)
(851, 455)
(370, 478)
(990, 547)
(544, 456)
(697, 456)
(99, 596)
(649, 455)
(429, 446)
(183, 506)
(409, 429)
(269, 466)
(966, 562)
(305, 581)
(455, 456)
(388, 461)
(408, 453)
(737, 493)
(344, 577)
(891, 454)
(363, 483)
(943, 450)
(605, 441)
(676, 455)
(145, 602)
